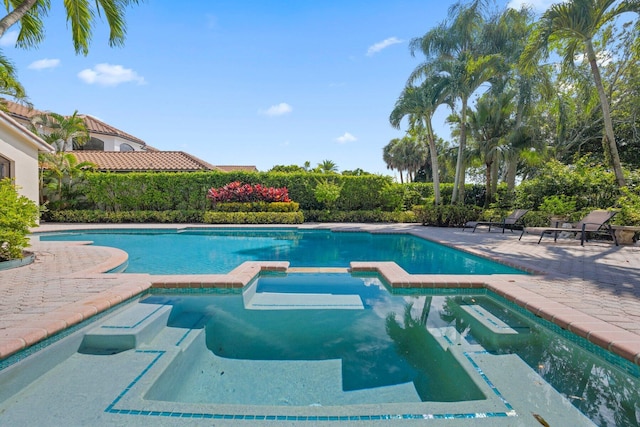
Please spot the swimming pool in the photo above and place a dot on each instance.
(218, 251)
(326, 347)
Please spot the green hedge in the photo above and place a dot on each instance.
(253, 217)
(187, 191)
(359, 216)
(92, 216)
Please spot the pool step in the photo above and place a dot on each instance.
(137, 325)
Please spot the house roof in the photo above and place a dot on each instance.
(127, 161)
(227, 168)
(94, 125)
(99, 127)
(30, 137)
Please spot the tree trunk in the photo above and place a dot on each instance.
(435, 167)
(458, 183)
(15, 15)
(488, 197)
(606, 115)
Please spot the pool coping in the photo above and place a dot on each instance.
(610, 337)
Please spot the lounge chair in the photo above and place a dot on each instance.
(509, 221)
(596, 222)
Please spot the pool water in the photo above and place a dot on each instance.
(218, 251)
(383, 345)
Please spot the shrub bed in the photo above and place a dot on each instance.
(359, 216)
(214, 217)
(96, 216)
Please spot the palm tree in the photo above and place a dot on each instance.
(573, 26)
(80, 14)
(389, 156)
(490, 124)
(456, 52)
(60, 172)
(62, 132)
(9, 84)
(327, 166)
(420, 103)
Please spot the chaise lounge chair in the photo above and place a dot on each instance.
(596, 222)
(508, 221)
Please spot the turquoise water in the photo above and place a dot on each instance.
(392, 340)
(222, 250)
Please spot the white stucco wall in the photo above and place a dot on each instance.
(21, 148)
(24, 163)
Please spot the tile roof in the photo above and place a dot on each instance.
(226, 168)
(97, 126)
(94, 125)
(126, 161)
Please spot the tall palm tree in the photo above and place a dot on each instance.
(572, 26)
(420, 103)
(455, 51)
(490, 124)
(80, 14)
(62, 132)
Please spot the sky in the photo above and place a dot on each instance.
(242, 82)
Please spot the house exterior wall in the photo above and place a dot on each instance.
(24, 163)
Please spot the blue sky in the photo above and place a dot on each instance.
(241, 82)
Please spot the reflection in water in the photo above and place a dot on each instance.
(601, 391)
(438, 371)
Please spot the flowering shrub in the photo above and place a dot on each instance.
(238, 192)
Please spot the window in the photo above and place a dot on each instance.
(94, 144)
(5, 168)
(126, 147)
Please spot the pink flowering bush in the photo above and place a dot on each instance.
(246, 193)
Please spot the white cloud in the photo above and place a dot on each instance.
(9, 38)
(277, 110)
(603, 58)
(536, 5)
(110, 75)
(43, 64)
(382, 45)
(347, 137)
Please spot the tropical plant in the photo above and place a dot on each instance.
(9, 84)
(18, 213)
(60, 176)
(80, 15)
(61, 132)
(456, 51)
(327, 166)
(238, 192)
(571, 28)
(490, 124)
(420, 103)
(405, 154)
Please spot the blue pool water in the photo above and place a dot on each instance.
(212, 251)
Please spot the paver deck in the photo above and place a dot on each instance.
(592, 290)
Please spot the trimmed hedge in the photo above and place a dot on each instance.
(359, 216)
(253, 217)
(93, 216)
(187, 191)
